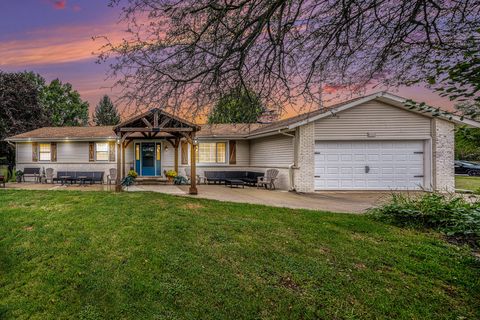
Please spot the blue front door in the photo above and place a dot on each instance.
(148, 158)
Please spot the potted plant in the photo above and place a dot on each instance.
(170, 175)
(129, 179)
(19, 175)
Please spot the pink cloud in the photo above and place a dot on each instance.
(58, 4)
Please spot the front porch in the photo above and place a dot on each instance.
(149, 136)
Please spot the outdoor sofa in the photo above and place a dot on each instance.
(79, 176)
(222, 177)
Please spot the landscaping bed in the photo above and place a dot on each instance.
(101, 255)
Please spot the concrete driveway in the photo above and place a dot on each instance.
(352, 202)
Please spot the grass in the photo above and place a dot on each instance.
(467, 183)
(99, 255)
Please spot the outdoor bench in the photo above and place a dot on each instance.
(31, 173)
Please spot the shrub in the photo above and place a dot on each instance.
(132, 174)
(171, 173)
(452, 215)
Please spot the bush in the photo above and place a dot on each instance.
(132, 174)
(452, 215)
(171, 173)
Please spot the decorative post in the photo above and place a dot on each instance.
(175, 148)
(193, 166)
(118, 186)
(123, 160)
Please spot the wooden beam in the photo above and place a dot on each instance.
(118, 186)
(164, 122)
(144, 134)
(156, 129)
(175, 163)
(193, 169)
(147, 123)
(188, 137)
(155, 119)
(123, 160)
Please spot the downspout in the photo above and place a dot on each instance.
(292, 166)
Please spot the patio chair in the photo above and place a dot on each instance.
(2, 181)
(49, 175)
(112, 176)
(200, 179)
(268, 180)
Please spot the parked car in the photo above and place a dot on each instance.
(466, 167)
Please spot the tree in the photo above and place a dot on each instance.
(193, 52)
(106, 113)
(64, 105)
(239, 106)
(21, 107)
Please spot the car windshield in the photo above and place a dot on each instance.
(469, 163)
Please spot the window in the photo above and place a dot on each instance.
(101, 151)
(45, 152)
(212, 152)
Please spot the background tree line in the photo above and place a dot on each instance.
(28, 102)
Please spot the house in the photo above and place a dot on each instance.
(371, 143)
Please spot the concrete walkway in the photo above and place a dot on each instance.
(352, 202)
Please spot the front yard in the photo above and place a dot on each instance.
(99, 255)
(467, 183)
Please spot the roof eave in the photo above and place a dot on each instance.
(12, 139)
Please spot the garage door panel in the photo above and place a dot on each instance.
(392, 165)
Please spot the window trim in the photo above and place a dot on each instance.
(224, 162)
(40, 152)
(107, 152)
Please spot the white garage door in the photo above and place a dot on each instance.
(368, 165)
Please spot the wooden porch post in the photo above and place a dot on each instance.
(177, 142)
(118, 186)
(123, 159)
(193, 166)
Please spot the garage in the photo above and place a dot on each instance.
(369, 165)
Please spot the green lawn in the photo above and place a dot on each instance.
(99, 255)
(467, 183)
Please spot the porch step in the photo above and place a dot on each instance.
(150, 180)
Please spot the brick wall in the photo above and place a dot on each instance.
(304, 174)
(443, 155)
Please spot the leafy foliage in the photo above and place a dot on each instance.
(467, 143)
(239, 106)
(451, 215)
(106, 113)
(64, 105)
(21, 107)
(171, 173)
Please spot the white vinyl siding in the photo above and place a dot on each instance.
(374, 118)
(274, 151)
(72, 152)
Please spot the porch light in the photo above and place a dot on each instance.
(166, 147)
(195, 142)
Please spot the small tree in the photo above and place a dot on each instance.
(106, 113)
(239, 106)
(64, 105)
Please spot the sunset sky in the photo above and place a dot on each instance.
(54, 38)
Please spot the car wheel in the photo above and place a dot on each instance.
(472, 173)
